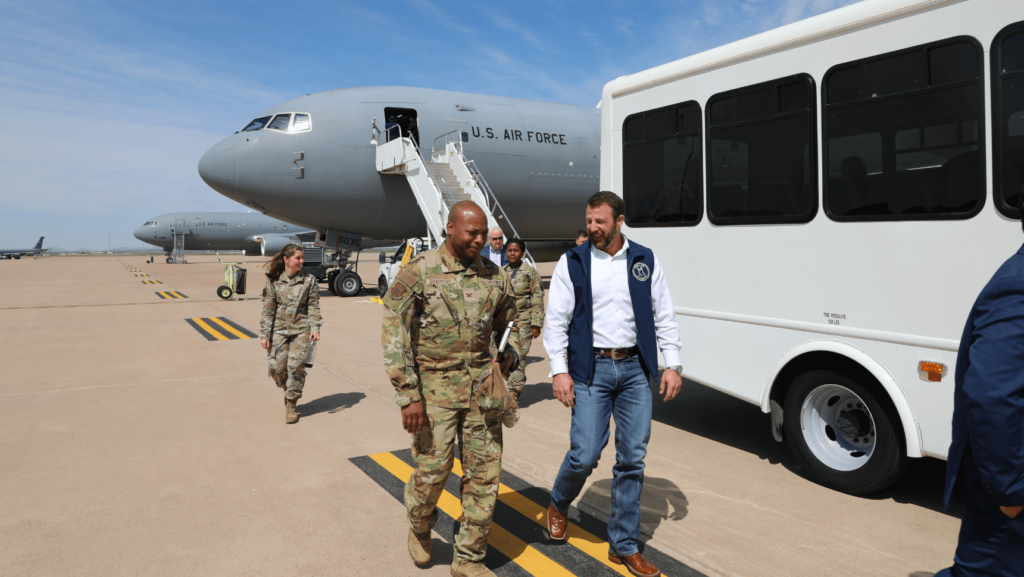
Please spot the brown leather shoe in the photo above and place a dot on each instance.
(636, 564)
(557, 523)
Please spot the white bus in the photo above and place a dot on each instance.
(827, 199)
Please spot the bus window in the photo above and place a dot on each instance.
(901, 135)
(661, 167)
(762, 153)
(1008, 118)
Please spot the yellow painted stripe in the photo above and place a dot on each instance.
(179, 295)
(230, 328)
(210, 330)
(576, 536)
(513, 547)
(163, 295)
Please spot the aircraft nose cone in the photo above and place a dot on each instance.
(219, 167)
(138, 233)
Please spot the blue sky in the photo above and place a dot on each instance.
(108, 106)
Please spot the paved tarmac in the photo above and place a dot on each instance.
(132, 443)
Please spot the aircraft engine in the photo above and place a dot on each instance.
(272, 244)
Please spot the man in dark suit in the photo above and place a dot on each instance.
(985, 469)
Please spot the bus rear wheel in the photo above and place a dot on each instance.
(843, 432)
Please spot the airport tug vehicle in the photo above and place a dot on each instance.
(390, 265)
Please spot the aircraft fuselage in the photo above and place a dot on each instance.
(540, 159)
(217, 230)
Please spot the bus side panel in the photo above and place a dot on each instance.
(732, 357)
(932, 402)
(736, 358)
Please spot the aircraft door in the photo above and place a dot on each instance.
(407, 121)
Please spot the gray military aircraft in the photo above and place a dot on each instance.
(310, 161)
(252, 232)
(20, 252)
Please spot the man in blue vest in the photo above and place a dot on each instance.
(985, 469)
(392, 129)
(609, 311)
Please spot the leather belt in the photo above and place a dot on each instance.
(617, 354)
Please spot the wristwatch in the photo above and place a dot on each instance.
(515, 363)
(677, 368)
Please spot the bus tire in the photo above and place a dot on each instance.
(348, 284)
(382, 285)
(844, 432)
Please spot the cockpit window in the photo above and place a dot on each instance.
(280, 122)
(151, 223)
(301, 123)
(256, 124)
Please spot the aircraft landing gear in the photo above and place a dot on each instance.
(331, 276)
(170, 260)
(347, 284)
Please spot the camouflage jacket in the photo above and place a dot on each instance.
(291, 306)
(439, 320)
(529, 295)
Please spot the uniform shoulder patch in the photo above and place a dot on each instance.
(406, 277)
(400, 294)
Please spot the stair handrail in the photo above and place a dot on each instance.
(375, 140)
(444, 207)
(491, 197)
(447, 138)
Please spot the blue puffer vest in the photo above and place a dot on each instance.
(640, 266)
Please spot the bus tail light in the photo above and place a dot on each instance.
(929, 371)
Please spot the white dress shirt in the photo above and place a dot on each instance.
(614, 323)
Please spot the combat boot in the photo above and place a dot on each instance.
(463, 568)
(420, 544)
(290, 416)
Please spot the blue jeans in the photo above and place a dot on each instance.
(620, 389)
(990, 545)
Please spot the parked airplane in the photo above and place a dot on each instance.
(19, 252)
(310, 160)
(249, 231)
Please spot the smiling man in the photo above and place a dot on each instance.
(604, 357)
(439, 318)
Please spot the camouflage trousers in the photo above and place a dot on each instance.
(433, 450)
(517, 379)
(286, 361)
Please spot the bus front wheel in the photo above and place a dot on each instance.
(843, 432)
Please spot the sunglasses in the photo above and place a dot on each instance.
(495, 238)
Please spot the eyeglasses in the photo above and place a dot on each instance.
(495, 238)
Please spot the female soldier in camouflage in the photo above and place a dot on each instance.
(291, 319)
(530, 304)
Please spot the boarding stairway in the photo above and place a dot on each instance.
(440, 180)
(177, 255)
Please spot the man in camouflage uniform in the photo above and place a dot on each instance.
(291, 316)
(529, 289)
(441, 313)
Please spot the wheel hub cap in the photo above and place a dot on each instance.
(838, 427)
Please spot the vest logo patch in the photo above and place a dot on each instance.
(641, 271)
